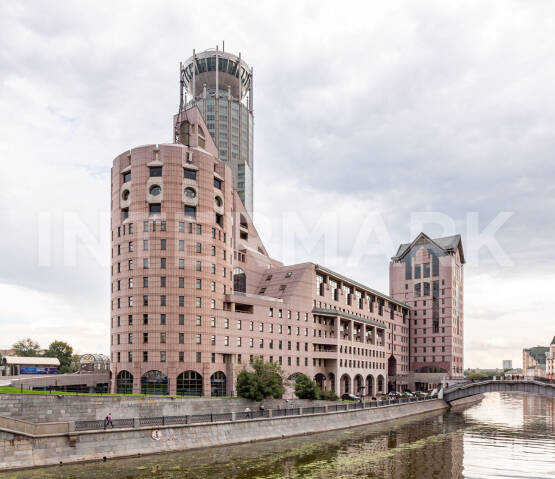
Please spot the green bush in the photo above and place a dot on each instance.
(306, 388)
(265, 380)
(328, 395)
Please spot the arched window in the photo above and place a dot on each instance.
(154, 382)
(380, 384)
(218, 384)
(189, 383)
(124, 383)
(239, 281)
(370, 385)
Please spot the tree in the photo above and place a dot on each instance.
(26, 347)
(477, 375)
(265, 380)
(306, 388)
(64, 353)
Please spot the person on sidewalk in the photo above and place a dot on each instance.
(248, 412)
(108, 421)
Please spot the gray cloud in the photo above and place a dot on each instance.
(388, 108)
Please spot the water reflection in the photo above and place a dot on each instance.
(507, 435)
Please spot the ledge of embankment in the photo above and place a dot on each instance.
(18, 451)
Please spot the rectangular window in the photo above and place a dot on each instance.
(213, 322)
(198, 266)
(226, 340)
(162, 281)
(417, 271)
(181, 356)
(131, 248)
(217, 183)
(182, 227)
(145, 245)
(162, 356)
(238, 341)
(163, 226)
(212, 286)
(145, 318)
(198, 229)
(182, 301)
(163, 263)
(198, 339)
(181, 245)
(198, 302)
(426, 270)
(130, 301)
(145, 281)
(126, 177)
(155, 171)
(181, 263)
(198, 356)
(198, 284)
(181, 338)
(145, 300)
(226, 323)
(145, 356)
(181, 282)
(181, 320)
(145, 226)
(145, 263)
(198, 248)
(154, 208)
(145, 338)
(163, 244)
(129, 283)
(189, 174)
(162, 338)
(198, 320)
(163, 319)
(163, 300)
(190, 211)
(130, 265)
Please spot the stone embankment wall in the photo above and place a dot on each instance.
(18, 451)
(52, 408)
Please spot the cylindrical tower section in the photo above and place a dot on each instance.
(220, 84)
(171, 268)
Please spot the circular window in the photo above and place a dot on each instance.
(218, 201)
(190, 193)
(155, 190)
(125, 195)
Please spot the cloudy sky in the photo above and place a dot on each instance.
(371, 119)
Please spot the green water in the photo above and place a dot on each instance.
(505, 436)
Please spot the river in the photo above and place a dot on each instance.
(504, 436)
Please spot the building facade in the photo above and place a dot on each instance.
(195, 295)
(539, 361)
(507, 364)
(550, 361)
(224, 96)
(427, 275)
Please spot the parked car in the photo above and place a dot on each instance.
(349, 397)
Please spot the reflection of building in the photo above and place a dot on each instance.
(94, 363)
(427, 274)
(534, 361)
(224, 96)
(507, 364)
(15, 365)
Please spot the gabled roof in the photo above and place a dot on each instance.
(538, 353)
(446, 243)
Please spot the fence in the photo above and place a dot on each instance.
(242, 416)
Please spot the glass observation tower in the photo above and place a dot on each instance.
(223, 94)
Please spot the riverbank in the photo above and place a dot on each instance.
(20, 451)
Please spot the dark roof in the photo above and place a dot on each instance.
(447, 243)
(553, 340)
(538, 353)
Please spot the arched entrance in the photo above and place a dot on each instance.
(331, 378)
(380, 384)
(189, 383)
(359, 383)
(218, 384)
(320, 380)
(124, 382)
(154, 382)
(345, 384)
(370, 385)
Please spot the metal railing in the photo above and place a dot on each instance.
(208, 418)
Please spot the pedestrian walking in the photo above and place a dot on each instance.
(108, 421)
(248, 412)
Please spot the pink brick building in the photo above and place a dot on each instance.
(427, 274)
(195, 296)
